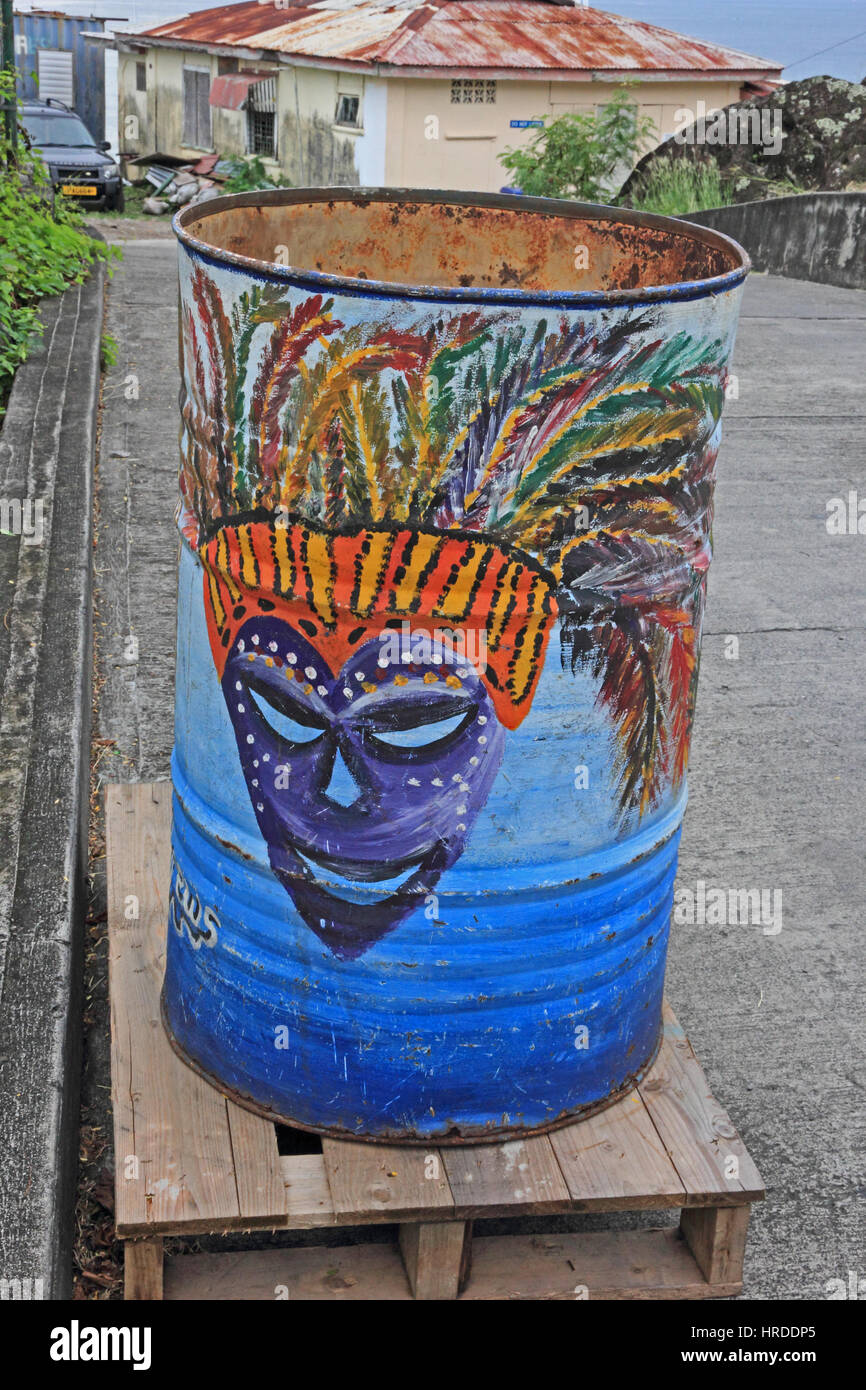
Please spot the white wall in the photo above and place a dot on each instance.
(370, 147)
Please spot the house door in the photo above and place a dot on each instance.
(54, 75)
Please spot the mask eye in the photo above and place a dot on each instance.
(285, 717)
(421, 735)
(407, 730)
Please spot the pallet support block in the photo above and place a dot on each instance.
(716, 1237)
(143, 1269)
(205, 1165)
(436, 1257)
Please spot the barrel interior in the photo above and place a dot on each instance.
(451, 244)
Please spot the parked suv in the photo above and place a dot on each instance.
(78, 164)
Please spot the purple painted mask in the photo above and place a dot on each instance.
(366, 781)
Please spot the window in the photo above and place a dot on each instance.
(262, 118)
(348, 110)
(225, 65)
(141, 77)
(473, 91)
(196, 109)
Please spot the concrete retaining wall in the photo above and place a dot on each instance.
(46, 468)
(810, 236)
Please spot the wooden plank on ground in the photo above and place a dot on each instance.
(307, 1274)
(173, 1149)
(385, 1182)
(504, 1179)
(695, 1130)
(615, 1161)
(642, 1265)
(650, 1264)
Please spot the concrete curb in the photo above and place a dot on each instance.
(809, 236)
(47, 449)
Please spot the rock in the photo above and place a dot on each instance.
(184, 193)
(205, 195)
(154, 206)
(822, 125)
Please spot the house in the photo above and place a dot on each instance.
(55, 61)
(398, 92)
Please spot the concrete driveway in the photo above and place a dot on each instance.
(779, 761)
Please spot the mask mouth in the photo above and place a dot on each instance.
(348, 914)
(389, 881)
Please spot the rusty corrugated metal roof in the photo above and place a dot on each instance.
(519, 35)
(231, 89)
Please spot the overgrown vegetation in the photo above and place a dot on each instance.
(675, 186)
(581, 154)
(247, 175)
(44, 247)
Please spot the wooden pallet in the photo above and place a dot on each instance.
(190, 1161)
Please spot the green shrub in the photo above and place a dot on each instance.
(579, 154)
(44, 247)
(247, 175)
(676, 186)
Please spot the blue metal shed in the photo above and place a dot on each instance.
(55, 60)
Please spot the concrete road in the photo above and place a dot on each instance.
(779, 761)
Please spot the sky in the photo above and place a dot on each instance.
(784, 31)
(790, 32)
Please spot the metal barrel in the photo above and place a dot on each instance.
(447, 468)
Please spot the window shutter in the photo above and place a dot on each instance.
(203, 105)
(196, 108)
(188, 107)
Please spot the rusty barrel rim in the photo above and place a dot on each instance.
(554, 207)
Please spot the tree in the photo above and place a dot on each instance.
(581, 154)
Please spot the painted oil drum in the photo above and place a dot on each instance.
(446, 481)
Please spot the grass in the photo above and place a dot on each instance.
(133, 199)
(676, 186)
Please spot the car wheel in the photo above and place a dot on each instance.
(117, 203)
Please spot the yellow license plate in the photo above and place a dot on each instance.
(78, 190)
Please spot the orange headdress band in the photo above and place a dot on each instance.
(328, 584)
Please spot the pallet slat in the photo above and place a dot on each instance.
(615, 1161)
(172, 1140)
(389, 1182)
(488, 1179)
(308, 1195)
(260, 1182)
(695, 1130)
